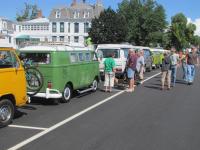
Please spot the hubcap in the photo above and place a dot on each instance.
(5, 113)
(67, 93)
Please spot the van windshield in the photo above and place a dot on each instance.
(107, 52)
(35, 58)
(125, 52)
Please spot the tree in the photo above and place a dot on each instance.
(29, 12)
(146, 21)
(181, 32)
(110, 27)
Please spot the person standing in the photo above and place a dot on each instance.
(131, 65)
(166, 72)
(140, 65)
(174, 58)
(192, 60)
(109, 69)
(183, 60)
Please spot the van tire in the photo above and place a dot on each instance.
(7, 110)
(94, 85)
(67, 94)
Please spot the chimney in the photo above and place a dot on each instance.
(73, 3)
(39, 14)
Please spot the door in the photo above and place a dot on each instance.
(12, 77)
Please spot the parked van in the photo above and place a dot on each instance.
(121, 54)
(148, 59)
(64, 69)
(12, 85)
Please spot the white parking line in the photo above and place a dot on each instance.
(33, 138)
(27, 127)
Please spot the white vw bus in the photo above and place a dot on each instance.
(121, 54)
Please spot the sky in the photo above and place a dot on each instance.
(190, 8)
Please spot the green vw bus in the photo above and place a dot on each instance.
(64, 69)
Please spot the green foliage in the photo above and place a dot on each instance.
(181, 32)
(110, 27)
(29, 12)
(146, 21)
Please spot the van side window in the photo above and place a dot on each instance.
(81, 57)
(15, 62)
(88, 57)
(6, 60)
(73, 57)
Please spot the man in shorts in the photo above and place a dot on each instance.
(109, 69)
(131, 65)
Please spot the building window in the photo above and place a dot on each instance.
(62, 27)
(78, 14)
(19, 28)
(68, 27)
(54, 38)
(86, 27)
(76, 27)
(86, 15)
(74, 14)
(10, 40)
(69, 39)
(54, 27)
(76, 39)
(62, 38)
(58, 14)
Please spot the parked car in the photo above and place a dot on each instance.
(12, 85)
(148, 58)
(64, 69)
(121, 54)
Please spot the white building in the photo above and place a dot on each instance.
(71, 24)
(65, 24)
(32, 31)
(7, 28)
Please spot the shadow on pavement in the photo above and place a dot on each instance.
(153, 87)
(19, 114)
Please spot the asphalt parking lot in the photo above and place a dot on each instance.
(91, 118)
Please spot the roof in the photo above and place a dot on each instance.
(50, 48)
(81, 6)
(23, 37)
(34, 21)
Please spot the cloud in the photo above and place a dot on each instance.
(197, 23)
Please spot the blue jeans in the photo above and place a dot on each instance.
(131, 73)
(173, 74)
(184, 67)
(190, 73)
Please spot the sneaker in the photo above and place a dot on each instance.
(129, 90)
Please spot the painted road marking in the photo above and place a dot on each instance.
(35, 137)
(27, 127)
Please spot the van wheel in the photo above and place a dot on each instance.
(67, 94)
(6, 112)
(94, 85)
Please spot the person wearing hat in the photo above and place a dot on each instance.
(192, 60)
(174, 58)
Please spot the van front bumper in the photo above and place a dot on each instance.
(50, 93)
